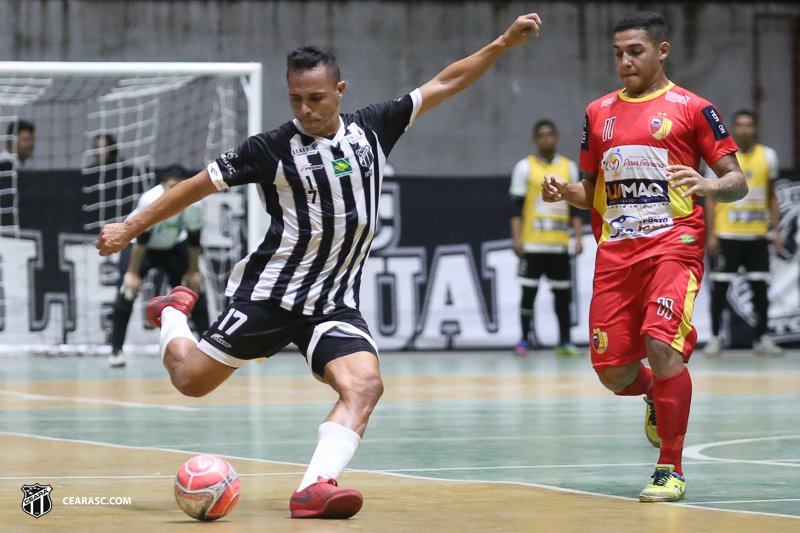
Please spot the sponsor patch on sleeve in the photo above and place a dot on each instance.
(216, 176)
(712, 116)
(585, 136)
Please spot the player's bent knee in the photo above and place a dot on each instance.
(363, 389)
(617, 378)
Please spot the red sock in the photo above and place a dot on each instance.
(643, 384)
(672, 397)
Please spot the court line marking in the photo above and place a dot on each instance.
(696, 451)
(397, 474)
(77, 399)
(523, 467)
(12, 478)
(747, 501)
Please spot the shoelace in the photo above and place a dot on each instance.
(652, 414)
(661, 477)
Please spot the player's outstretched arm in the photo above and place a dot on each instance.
(115, 237)
(730, 186)
(580, 195)
(462, 74)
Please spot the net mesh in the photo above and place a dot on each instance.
(99, 142)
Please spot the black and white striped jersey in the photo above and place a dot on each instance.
(322, 196)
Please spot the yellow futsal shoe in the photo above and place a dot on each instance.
(568, 350)
(650, 429)
(666, 486)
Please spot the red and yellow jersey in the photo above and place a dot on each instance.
(628, 143)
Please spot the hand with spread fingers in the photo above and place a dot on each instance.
(683, 176)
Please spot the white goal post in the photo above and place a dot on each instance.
(159, 113)
(250, 76)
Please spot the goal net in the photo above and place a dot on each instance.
(102, 132)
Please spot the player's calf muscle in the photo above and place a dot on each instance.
(195, 374)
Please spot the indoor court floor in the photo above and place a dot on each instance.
(461, 441)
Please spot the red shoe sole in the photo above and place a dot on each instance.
(340, 506)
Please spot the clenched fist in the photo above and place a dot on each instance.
(112, 239)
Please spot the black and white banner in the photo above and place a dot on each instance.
(441, 274)
(784, 291)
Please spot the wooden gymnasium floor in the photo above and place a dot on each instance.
(460, 442)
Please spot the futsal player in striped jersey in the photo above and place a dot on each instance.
(640, 152)
(320, 178)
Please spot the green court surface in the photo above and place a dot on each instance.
(742, 454)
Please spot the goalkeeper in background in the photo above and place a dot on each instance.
(172, 246)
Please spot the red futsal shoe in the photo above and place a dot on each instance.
(180, 298)
(324, 499)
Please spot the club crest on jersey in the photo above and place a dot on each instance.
(599, 340)
(660, 127)
(365, 157)
(342, 167)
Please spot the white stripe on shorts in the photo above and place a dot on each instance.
(322, 329)
(215, 353)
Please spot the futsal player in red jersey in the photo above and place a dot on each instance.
(640, 152)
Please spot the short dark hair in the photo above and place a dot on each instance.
(746, 113)
(308, 57)
(542, 124)
(174, 172)
(112, 153)
(651, 22)
(18, 126)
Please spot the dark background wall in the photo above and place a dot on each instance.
(388, 48)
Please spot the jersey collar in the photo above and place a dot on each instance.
(336, 138)
(648, 97)
(556, 160)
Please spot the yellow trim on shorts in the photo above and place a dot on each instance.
(686, 319)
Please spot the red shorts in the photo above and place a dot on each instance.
(653, 297)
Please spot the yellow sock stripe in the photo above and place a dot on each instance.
(686, 319)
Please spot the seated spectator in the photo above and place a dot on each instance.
(25, 134)
(105, 150)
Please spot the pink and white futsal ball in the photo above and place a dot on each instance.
(207, 487)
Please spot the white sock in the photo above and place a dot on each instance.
(336, 446)
(174, 324)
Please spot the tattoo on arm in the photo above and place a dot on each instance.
(732, 183)
(732, 186)
(730, 190)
